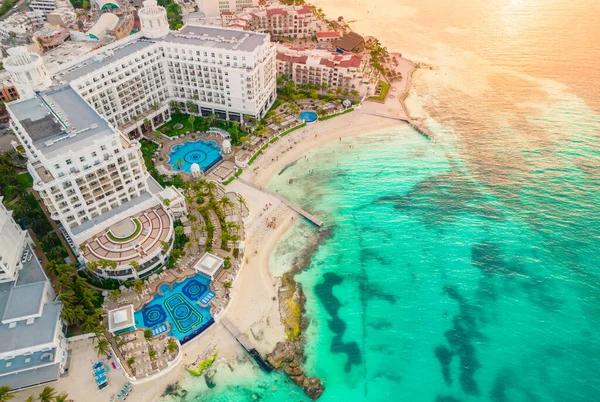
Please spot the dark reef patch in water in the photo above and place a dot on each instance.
(324, 292)
(461, 338)
(444, 356)
(380, 324)
(488, 258)
(443, 198)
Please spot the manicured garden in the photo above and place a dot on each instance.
(182, 123)
(385, 87)
(116, 239)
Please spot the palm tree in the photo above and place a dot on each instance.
(73, 315)
(102, 347)
(165, 245)
(61, 398)
(166, 201)
(135, 265)
(47, 395)
(171, 345)
(192, 120)
(90, 324)
(5, 394)
(241, 200)
(29, 399)
(114, 294)
(211, 186)
(82, 246)
(138, 286)
(92, 265)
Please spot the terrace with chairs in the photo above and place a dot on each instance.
(139, 238)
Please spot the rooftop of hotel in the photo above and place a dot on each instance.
(203, 36)
(22, 299)
(218, 38)
(155, 226)
(318, 57)
(55, 120)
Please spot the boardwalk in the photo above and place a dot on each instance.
(243, 340)
(422, 130)
(290, 204)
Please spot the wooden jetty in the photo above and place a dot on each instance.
(290, 204)
(420, 129)
(246, 344)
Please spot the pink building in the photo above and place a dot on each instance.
(324, 68)
(291, 21)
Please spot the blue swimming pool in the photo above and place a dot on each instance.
(308, 116)
(179, 307)
(204, 153)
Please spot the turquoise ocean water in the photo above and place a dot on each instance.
(465, 269)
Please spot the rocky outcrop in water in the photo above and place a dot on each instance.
(288, 355)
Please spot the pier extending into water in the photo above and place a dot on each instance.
(246, 344)
(287, 202)
(414, 124)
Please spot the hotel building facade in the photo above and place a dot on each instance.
(346, 72)
(77, 127)
(33, 350)
(280, 20)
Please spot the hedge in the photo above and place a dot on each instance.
(331, 116)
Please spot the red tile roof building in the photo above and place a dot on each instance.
(291, 21)
(317, 67)
(328, 36)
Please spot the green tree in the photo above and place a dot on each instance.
(148, 333)
(47, 395)
(171, 345)
(102, 347)
(5, 394)
(62, 398)
(138, 285)
(227, 285)
(135, 265)
(192, 120)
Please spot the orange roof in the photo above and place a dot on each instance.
(330, 34)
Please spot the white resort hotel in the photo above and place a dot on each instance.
(33, 348)
(78, 127)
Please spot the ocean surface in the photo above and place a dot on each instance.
(466, 268)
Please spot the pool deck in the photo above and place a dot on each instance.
(168, 144)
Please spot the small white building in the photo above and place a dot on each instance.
(121, 319)
(45, 6)
(214, 8)
(209, 265)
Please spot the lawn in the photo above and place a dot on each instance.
(24, 181)
(202, 125)
(138, 229)
(385, 87)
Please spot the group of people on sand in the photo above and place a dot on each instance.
(271, 223)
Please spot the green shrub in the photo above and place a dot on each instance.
(203, 365)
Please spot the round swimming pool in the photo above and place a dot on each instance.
(204, 153)
(308, 116)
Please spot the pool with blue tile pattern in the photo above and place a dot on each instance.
(179, 307)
